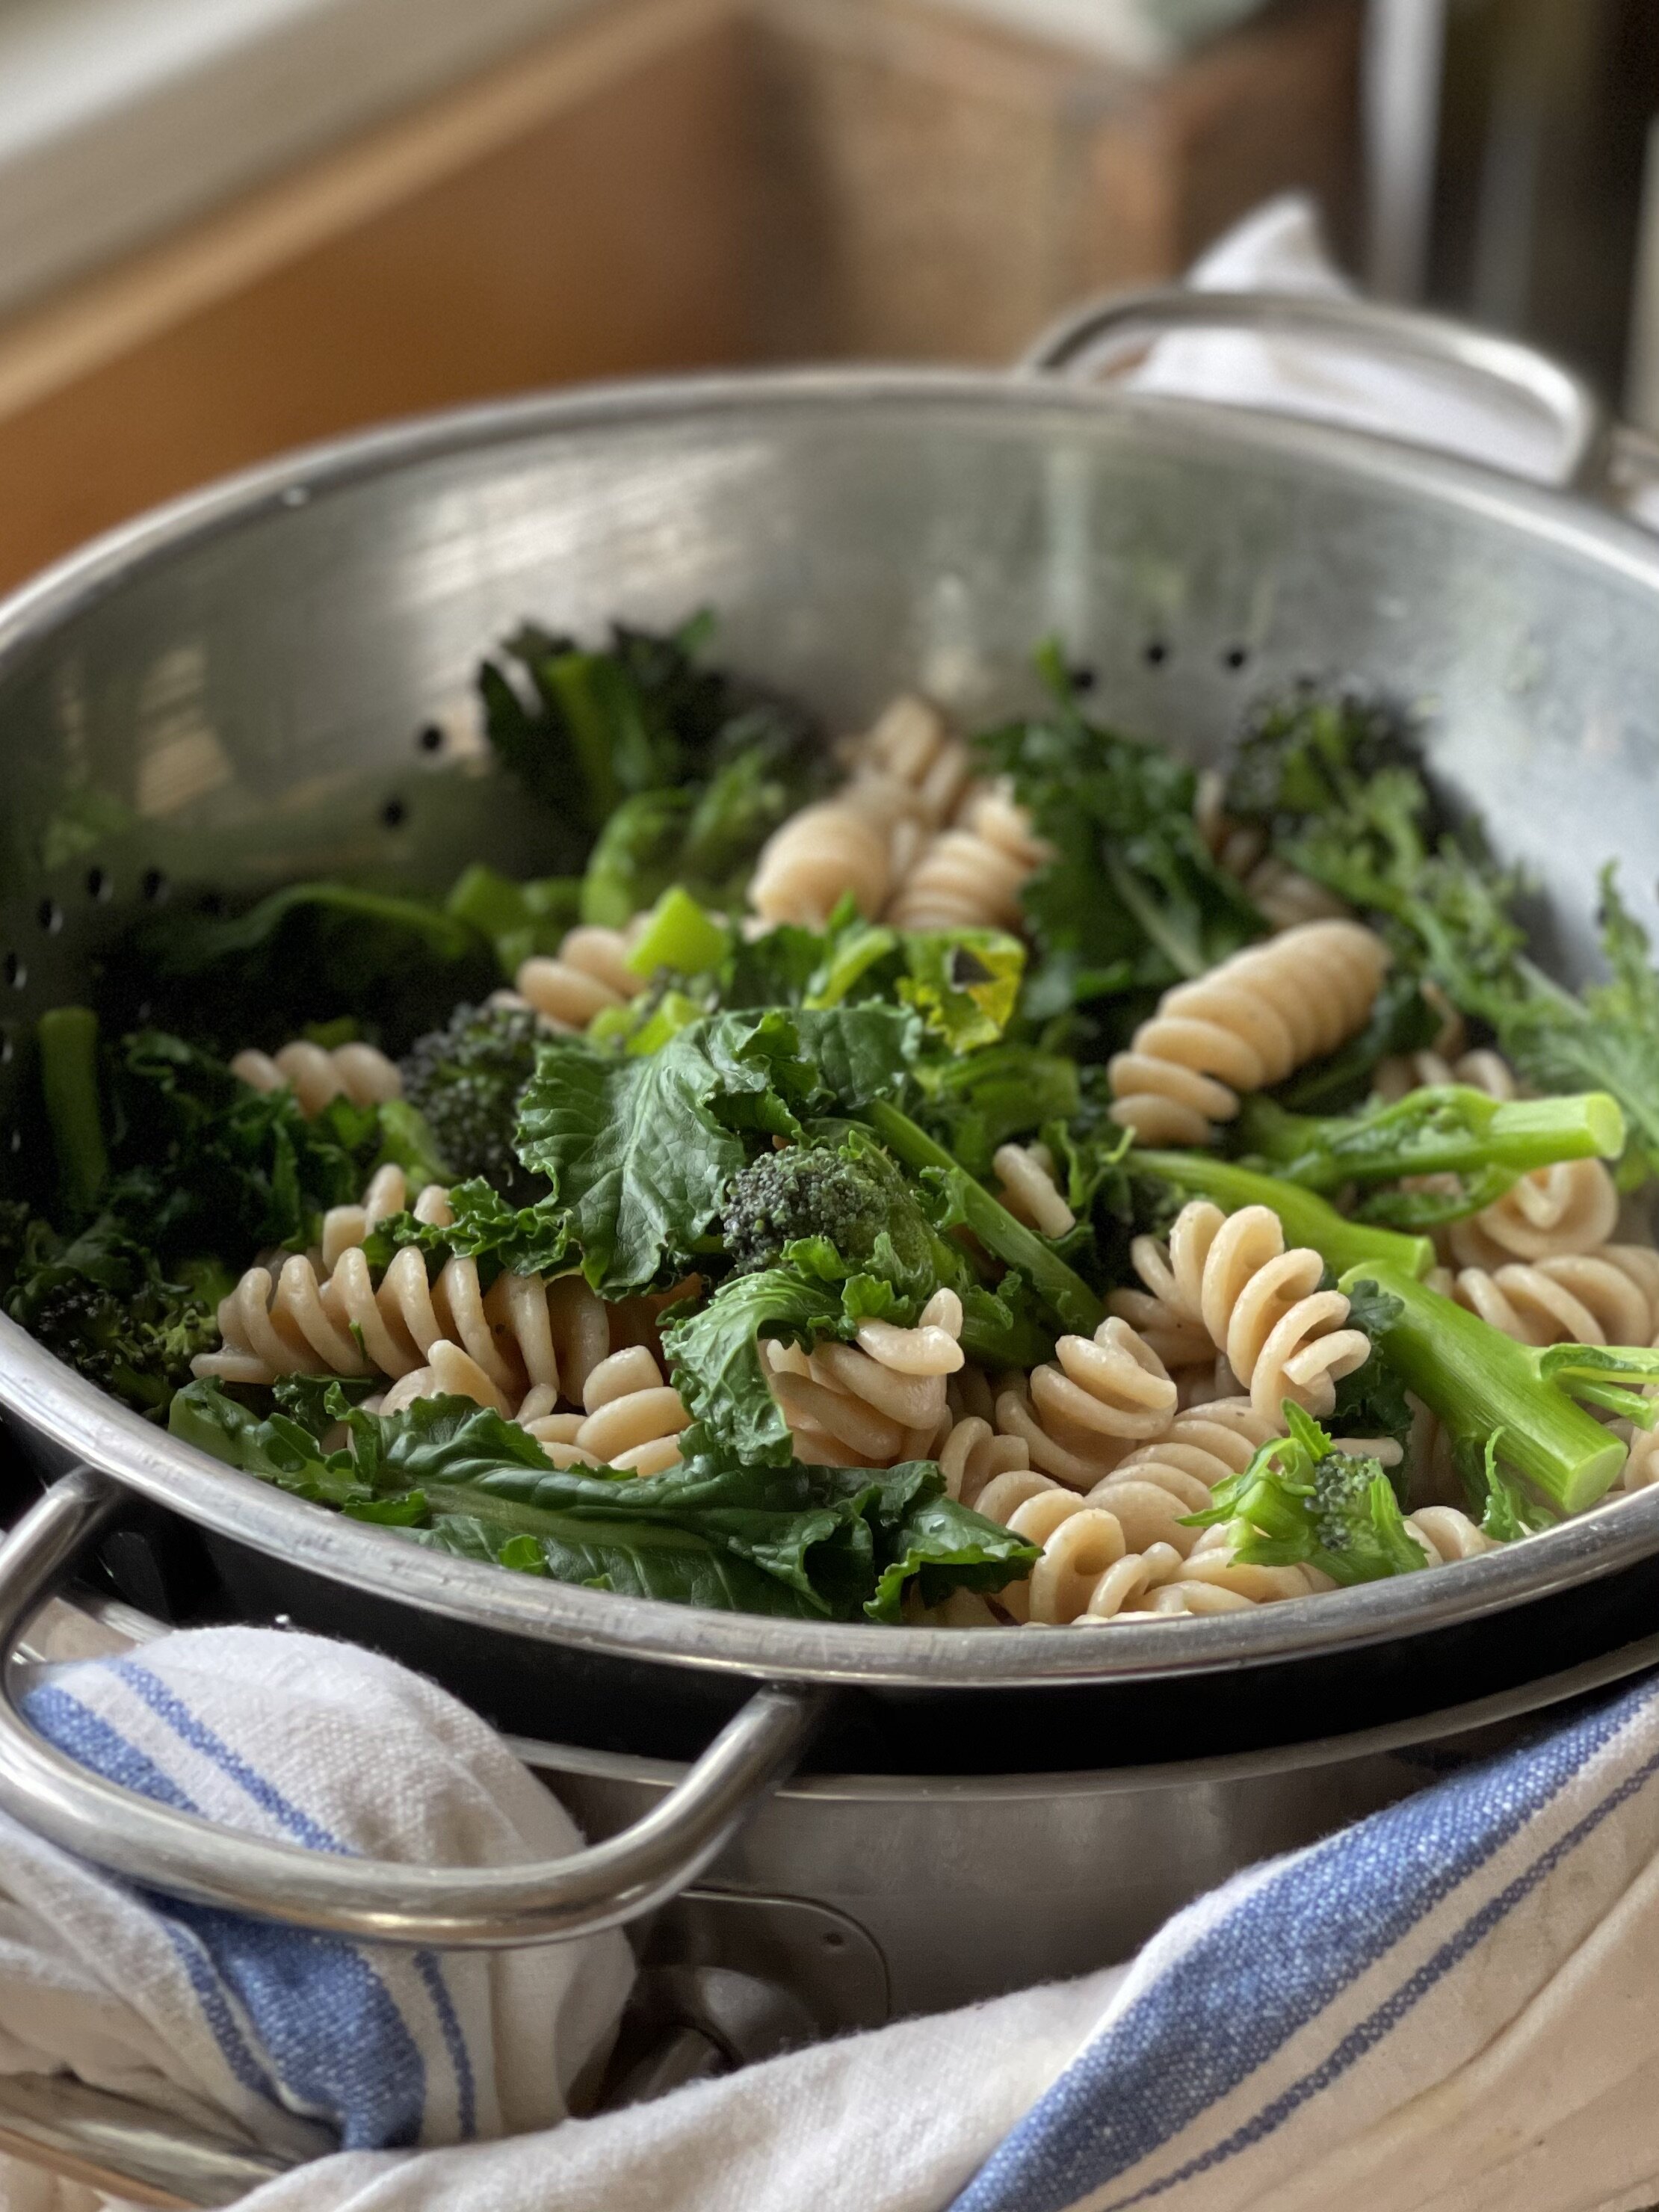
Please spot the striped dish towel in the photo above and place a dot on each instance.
(294, 2042)
(1452, 2006)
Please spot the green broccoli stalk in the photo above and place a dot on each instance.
(1059, 1287)
(1480, 1382)
(1447, 1130)
(1302, 1502)
(68, 1041)
(1307, 1218)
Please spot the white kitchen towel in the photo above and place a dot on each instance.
(1448, 2007)
(295, 2043)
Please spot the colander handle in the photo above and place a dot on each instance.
(1105, 337)
(470, 1908)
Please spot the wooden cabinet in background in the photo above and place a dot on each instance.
(664, 184)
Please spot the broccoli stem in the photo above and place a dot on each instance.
(1061, 1289)
(1479, 1381)
(1448, 1129)
(67, 1039)
(1307, 1220)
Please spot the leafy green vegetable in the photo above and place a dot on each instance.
(99, 1301)
(1480, 1382)
(1131, 899)
(963, 1202)
(308, 954)
(1446, 1129)
(67, 1037)
(1371, 1402)
(715, 1359)
(465, 1080)
(813, 1542)
(1340, 785)
(218, 1166)
(519, 919)
(975, 1104)
(640, 1150)
(680, 773)
(1496, 1501)
(1301, 1503)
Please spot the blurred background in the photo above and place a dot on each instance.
(228, 225)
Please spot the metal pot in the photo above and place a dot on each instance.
(272, 680)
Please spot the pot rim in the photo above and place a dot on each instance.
(80, 1420)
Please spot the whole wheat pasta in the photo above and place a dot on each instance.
(589, 973)
(1447, 1534)
(1029, 1192)
(876, 1402)
(1154, 1488)
(816, 858)
(970, 876)
(1249, 1022)
(1610, 1296)
(1079, 1416)
(1570, 1208)
(317, 1076)
(1261, 1305)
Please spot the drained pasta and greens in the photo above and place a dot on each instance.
(946, 1177)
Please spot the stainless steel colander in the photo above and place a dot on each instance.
(273, 680)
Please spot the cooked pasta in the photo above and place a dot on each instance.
(1077, 1416)
(1250, 1022)
(1090, 1572)
(589, 973)
(1609, 1296)
(832, 1123)
(1283, 1336)
(1026, 1173)
(969, 876)
(1447, 1534)
(877, 1401)
(1572, 1207)
(316, 1076)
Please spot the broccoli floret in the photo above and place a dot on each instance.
(101, 1305)
(1301, 1503)
(465, 1080)
(805, 1191)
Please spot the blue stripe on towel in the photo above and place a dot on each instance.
(340, 2044)
(1259, 1975)
(168, 1706)
(75, 1728)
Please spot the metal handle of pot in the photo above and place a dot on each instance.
(1105, 337)
(473, 1908)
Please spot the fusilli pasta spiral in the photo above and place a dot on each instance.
(1077, 1417)
(1572, 1207)
(1610, 1296)
(875, 1402)
(969, 876)
(1249, 1023)
(1232, 1277)
(589, 973)
(1029, 1192)
(356, 1071)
